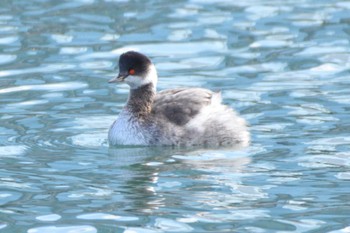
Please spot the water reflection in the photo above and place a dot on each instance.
(147, 180)
(131, 180)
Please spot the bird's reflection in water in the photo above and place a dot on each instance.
(155, 176)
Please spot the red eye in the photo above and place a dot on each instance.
(132, 71)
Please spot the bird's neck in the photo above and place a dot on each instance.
(141, 100)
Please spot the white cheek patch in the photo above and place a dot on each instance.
(135, 81)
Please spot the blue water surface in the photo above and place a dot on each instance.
(283, 65)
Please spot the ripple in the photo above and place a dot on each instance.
(239, 214)
(8, 40)
(6, 58)
(8, 28)
(55, 95)
(270, 44)
(342, 99)
(295, 205)
(44, 141)
(333, 141)
(168, 185)
(110, 37)
(192, 63)
(263, 67)
(96, 139)
(308, 23)
(65, 86)
(14, 184)
(12, 151)
(213, 18)
(260, 11)
(102, 216)
(73, 50)
(243, 95)
(330, 68)
(343, 4)
(49, 68)
(68, 166)
(344, 230)
(170, 225)
(61, 38)
(91, 192)
(140, 230)
(96, 65)
(178, 35)
(316, 120)
(312, 114)
(48, 218)
(8, 197)
(27, 104)
(68, 229)
(272, 127)
(236, 215)
(337, 159)
(306, 225)
(343, 175)
(176, 49)
(154, 164)
(322, 50)
(102, 122)
(309, 109)
(201, 62)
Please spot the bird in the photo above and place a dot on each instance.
(179, 117)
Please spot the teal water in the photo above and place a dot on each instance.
(284, 65)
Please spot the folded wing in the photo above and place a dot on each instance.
(181, 105)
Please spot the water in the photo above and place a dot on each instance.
(284, 65)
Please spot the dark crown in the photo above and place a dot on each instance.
(134, 60)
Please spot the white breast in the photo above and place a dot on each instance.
(126, 131)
